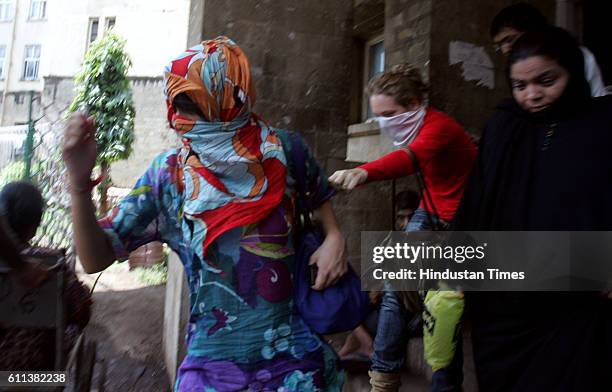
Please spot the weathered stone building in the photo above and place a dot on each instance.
(42, 45)
(311, 60)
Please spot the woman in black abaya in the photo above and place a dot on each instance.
(544, 164)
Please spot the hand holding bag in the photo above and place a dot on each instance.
(340, 307)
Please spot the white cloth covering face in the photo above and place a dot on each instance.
(403, 128)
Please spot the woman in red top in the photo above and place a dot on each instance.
(445, 154)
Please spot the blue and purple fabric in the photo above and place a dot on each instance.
(243, 331)
(224, 203)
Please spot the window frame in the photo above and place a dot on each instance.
(2, 61)
(9, 10)
(375, 40)
(36, 60)
(107, 25)
(44, 10)
(90, 24)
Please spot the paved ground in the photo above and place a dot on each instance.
(127, 324)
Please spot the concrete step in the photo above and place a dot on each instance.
(360, 382)
(417, 376)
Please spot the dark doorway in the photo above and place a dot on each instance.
(597, 34)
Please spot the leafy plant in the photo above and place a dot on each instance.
(154, 275)
(103, 91)
(157, 273)
(11, 172)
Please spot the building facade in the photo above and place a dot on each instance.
(310, 59)
(42, 46)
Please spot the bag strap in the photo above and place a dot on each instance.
(298, 155)
(424, 192)
(295, 153)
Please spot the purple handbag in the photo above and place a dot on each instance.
(340, 307)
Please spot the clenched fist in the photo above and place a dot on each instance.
(348, 179)
(79, 150)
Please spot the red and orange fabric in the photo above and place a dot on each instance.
(233, 164)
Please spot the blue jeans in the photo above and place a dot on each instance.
(420, 221)
(394, 330)
(395, 327)
(391, 335)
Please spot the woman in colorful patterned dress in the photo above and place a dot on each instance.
(224, 203)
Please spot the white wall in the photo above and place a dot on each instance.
(26, 33)
(155, 30)
(5, 39)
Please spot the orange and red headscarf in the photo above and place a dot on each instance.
(234, 168)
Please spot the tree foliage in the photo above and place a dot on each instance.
(103, 90)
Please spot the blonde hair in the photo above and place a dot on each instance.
(403, 83)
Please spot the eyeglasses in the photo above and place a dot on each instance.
(507, 41)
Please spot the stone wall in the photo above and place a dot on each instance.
(423, 31)
(298, 53)
(152, 135)
(451, 88)
(16, 107)
(408, 25)
(301, 56)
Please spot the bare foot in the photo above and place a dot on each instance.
(358, 342)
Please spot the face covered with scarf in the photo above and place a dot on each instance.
(234, 168)
(398, 123)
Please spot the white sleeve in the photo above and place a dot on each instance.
(592, 73)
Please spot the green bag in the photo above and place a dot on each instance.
(443, 308)
(441, 326)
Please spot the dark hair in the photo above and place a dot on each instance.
(522, 17)
(557, 45)
(186, 105)
(403, 83)
(407, 199)
(22, 204)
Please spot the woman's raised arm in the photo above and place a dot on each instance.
(79, 154)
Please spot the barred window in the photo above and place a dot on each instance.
(31, 62)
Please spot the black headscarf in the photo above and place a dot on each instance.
(529, 178)
(558, 45)
(499, 195)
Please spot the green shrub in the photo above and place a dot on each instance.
(12, 172)
(155, 275)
